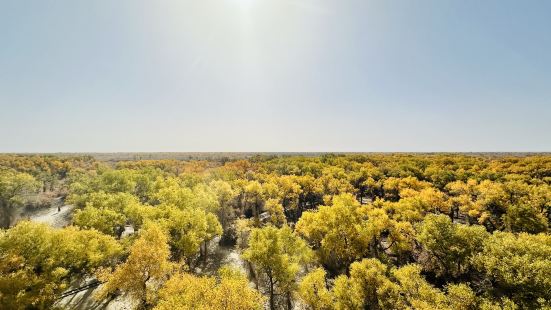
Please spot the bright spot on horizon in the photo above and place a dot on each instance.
(244, 5)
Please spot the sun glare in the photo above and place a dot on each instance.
(244, 4)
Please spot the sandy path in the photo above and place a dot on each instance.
(52, 216)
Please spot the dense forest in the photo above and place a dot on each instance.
(329, 231)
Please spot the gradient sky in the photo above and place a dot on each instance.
(275, 75)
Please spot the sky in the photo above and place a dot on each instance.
(275, 75)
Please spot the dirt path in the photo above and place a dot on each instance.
(52, 216)
(85, 300)
(220, 255)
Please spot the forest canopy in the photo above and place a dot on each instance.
(328, 231)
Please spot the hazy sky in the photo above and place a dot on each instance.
(275, 75)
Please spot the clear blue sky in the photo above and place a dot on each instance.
(275, 75)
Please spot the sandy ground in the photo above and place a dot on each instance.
(52, 216)
(219, 256)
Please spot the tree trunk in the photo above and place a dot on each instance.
(5, 216)
(289, 301)
(272, 301)
(144, 297)
(206, 250)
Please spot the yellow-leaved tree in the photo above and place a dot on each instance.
(146, 267)
(38, 262)
(185, 291)
(14, 190)
(313, 291)
(277, 255)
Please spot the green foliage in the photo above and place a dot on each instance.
(171, 192)
(107, 181)
(372, 285)
(14, 190)
(117, 202)
(520, 265)
(109, 212)
(104, 220)
(277, 253)
(525, 218)
(226, 196)
(449, 246)
(188, 229)
(346, 231)
(335, 232)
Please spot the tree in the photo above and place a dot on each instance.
(311, 193)
(233, 291)
(200, 196)
(145, 183)
(226, 196)
(313, 290)
(116, 181)
(146, 266)
(39, 262)
(461, 197)
(335, 232)
(277, 253)
(449, 246)
(104, 220)
(500, 304)
(102, 179)
(109, 212)
(289, 193)
(276, 212)
(333, 182)
(188, 292)
(358, 179)
(117, 202)
(253, 199)
(460, 297)
(540, 199)
(189, 230)
(345, 231)
(189, 216)
(14, 190)
(490, 205)
(361, 289)
(525, 218)
(519, 265)
(429, 200)
(373, 285)
(393, 186)
(414, 290)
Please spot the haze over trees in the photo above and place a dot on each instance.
(356, 231)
